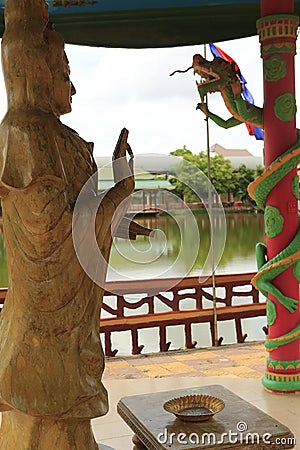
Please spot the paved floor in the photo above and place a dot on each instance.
(112, 431)
(239, 360)
(237, 367)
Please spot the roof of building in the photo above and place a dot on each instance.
(227, 152)
(106, 174)
(143, 180)
(160, 164)
(140, 185)
(152, 162)
(238, 156)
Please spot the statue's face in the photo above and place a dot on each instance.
(58, 64)
(63, 88)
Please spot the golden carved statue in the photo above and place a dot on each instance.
(51, 360)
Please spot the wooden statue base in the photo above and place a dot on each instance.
(239, 425)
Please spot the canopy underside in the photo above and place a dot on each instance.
(152, 23)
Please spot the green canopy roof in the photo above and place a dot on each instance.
(143, 180)
(152, 23)
(140, 185)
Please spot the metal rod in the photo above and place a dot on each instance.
(215, 312)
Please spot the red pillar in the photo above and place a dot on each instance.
(277, 29)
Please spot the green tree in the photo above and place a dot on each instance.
(242, 177)
(188, 174)
(184, 152)
(259, 170)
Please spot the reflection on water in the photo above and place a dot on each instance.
(167, 256)
(175, 250)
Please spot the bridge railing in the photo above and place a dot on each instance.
(136, 305)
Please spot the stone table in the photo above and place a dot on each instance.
(239, 425)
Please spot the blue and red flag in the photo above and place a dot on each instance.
(216, 51)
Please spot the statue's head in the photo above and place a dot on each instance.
(215, 75)
(26, 74)
(58, 64)
(34, 11)
(35, 66)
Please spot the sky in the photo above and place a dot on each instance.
(132, 88)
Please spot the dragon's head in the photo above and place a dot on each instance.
(216, 75)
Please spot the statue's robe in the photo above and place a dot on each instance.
(51, 359)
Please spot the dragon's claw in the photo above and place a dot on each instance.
(265, 286)
(289, 303)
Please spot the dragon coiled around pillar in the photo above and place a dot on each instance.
(222, 76)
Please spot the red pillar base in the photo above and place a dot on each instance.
(280, 383)
(282, 376)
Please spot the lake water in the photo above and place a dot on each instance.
(176, 251)
(169, 254)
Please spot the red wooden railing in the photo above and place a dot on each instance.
(162, 307)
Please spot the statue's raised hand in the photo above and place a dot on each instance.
(122, 146)
(121, 168)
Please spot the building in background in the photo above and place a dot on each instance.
(151, 194)
(152, 186)
(237, 156)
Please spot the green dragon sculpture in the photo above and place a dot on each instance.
(220, 75)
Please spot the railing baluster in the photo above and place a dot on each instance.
(239, 332)
(163, 344)
(107, 343)
(186, 288)
(136, 348)
(189, 343)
